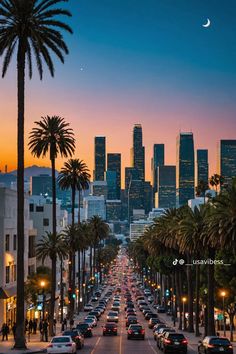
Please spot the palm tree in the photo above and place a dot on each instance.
(52, 245)
(201, 189)
(52, 135)
(99, 231)
(216, 181)
(75, 176)
(189, 238)
(32, 28)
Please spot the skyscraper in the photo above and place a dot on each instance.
(114, 164)
(166, 192)
(99, 158)
(138, 151)
(134, 190)
(148, 197)
(157, 160)
(227, 160)
(184, 169)
(111, 185)
(202, 166)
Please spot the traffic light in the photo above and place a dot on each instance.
(167, 292)
(74, 296)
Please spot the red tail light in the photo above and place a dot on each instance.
(69, 345)
(211, 346)
(184, 341)
(142, 331)
(50, 346)
(167, 341)
(130, 331)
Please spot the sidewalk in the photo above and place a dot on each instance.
(192, 339)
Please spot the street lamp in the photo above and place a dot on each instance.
(184, 299)
(223, 294)
(42, 284)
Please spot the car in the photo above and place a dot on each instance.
(94, 299)
(95, 313)
(161, 334)
(152, 322)
(112, 316)
(215, 344)
(161, 309)
(175, 343)
(76, 336)
(129, 305)
(88, 307)
(110, 329)
(130, 313)
(150, 299)
(159, 326)
(131, 320)
(157, 331)
(136, 331)
(150, 315)
(85, 329)
(61, 344)
(91, 321)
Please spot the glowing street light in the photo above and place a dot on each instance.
(184, 299)
(223, 294)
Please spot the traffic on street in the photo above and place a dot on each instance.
(121, 318)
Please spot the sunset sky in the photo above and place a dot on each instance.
(133, 61)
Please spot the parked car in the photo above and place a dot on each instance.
(136, 331)
(110, 329)
(61, 344)
(160, 335)
(153, 321)
(94, 299)
(88, 307)
(161, 309)
(215, 344)
(76, 336)
(85, 329)
(174, 342)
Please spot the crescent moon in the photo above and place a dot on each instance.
(207, 24)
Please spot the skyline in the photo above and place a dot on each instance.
(169, 74)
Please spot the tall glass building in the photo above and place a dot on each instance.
(202, 166)
(166, 192)
(111, 185)
(227, 160)
(99, 158)
(114, 164)
(134, 190)
(184, 169)
(138, 151)
(157, 160)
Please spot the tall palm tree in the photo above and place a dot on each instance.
(189, 238)
(75, 176)
(99, 231)
(33, 29)
(52, 245)
(52, 135)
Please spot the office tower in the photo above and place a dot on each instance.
(100, 158)
(184, 169)
(41, 185)
(227, 160)
(148, 197)
(113, 210)
(157, 160)
(111, 184)
(94, 206)
(134, 188)
(166, 191)
(138, 151)
(99, 188)
(114, 164)
(202, 166)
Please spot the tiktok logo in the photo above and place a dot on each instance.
(175, 262)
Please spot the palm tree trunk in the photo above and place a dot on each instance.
(197, 312)
(54, 263)
(72, 260)
(52, 302)
(83, 269)
(61, 291)
(180, 282)
(210, 293)
(20, 313)
(79, 277)
(79, 217)
(190, 297)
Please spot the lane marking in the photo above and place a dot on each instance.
(96, 344)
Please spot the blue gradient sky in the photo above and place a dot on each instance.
(148, 62)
